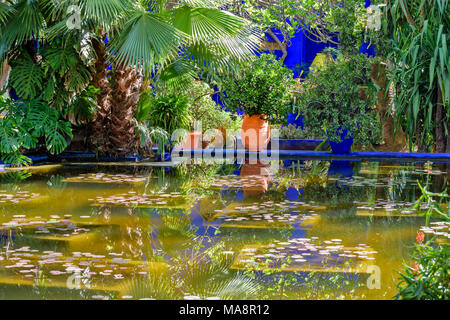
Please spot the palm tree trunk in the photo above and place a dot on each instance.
(99, 127)
(124, 98)
(112, 132)
(4, 74)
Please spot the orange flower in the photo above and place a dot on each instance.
(420, 237)
(415, 268)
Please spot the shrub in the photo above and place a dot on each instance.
(292, 132)
(204, 109)
(24, 124)
(168, 111)
(428, 277)
(263, 88)
(341, 96)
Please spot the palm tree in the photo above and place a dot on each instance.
(145, 41)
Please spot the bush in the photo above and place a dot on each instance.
(25, 124)
(204, 109)
(341, 96)
(168, 111)
(264, 88)
(292, 132)
(429, 276)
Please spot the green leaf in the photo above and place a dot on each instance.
(145, 40)
(26, 78)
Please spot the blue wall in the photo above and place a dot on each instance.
(301, 53)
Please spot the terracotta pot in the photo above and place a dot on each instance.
(255, 134)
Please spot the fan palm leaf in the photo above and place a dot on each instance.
(146, 39)
(27, 23)
(5, 11)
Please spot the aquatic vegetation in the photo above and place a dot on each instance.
(18, 197)
(131, 199)
(106, 178)
(303, 254)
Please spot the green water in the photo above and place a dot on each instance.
(128, 231)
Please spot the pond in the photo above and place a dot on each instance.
(294, 230)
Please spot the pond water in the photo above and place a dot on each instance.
(300, 230)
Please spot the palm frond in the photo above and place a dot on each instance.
(145, 40)
(238, 287)
(219, 40)
(26, 23)
(177, 76)
(5, 11)
(105, 12)
(204, 24)
(154, 287)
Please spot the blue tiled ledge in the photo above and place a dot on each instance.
(74, 156)
(79, 155)
(290, 144)
(318, 155)
(241, 153)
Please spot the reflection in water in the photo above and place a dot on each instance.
(255, 177)
(341, 169)
(309, 231)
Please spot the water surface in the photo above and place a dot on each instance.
(310, 230)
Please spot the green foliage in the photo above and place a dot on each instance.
(435, 208)
(429, 276)
(262, 88)
(414, 38)
(168, 111)
(326, 19)
(53, 77)
(292, 132)
(53, 59)
(205, 110)
(158, 115)
(341, 96)
(52, 85)
(84, 105)
(24, 124)
(26, 77)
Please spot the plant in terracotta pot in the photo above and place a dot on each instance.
(332, 102)
(263, 90)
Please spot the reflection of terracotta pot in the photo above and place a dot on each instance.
(256, 180)
(255, 134)
(192, 141)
